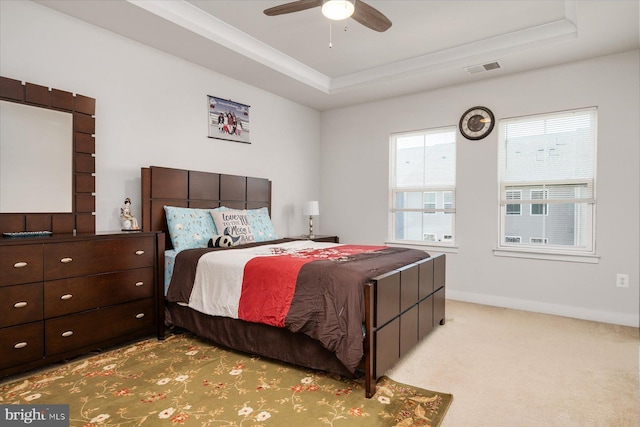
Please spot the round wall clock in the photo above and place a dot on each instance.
(476, 123)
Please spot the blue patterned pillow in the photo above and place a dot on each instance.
(263, 229)
(189, 228)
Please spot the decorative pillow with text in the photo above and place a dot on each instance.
(235, 224)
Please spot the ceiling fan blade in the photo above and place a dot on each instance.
(295, 6)
(370, 17)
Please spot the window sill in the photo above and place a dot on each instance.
(442, 248)
(550, 256)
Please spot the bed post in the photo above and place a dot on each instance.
(369, 343)
(145, 184)
(159, 274)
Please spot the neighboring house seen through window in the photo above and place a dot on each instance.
(550, 157)
(422, 186)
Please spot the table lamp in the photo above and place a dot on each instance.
(311, 208)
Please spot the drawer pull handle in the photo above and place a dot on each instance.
(138, 284)
(20, 345)
(66, 297)
(20, 264)
(66, 260)
(20, 304)
(139, 315)
(139, 252)
(67, 334)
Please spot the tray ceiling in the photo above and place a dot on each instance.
(431, 43)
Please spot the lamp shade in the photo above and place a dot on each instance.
(311, 208)
(338, 9)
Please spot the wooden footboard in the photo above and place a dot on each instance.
(402, 306)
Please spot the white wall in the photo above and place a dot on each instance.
(151, 109)
(354, 185)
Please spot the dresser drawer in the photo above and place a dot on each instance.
(66, 296)
(20, 304)
(20, 264)
(76, 331)
(21, 344)
(62, 260)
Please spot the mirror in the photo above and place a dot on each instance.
(36, 153)
(67, 168)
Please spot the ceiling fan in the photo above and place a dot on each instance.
(338, 9)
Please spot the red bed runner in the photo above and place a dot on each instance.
(269, 283)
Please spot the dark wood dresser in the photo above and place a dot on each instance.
(64, 295)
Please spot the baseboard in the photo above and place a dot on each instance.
(546, 308)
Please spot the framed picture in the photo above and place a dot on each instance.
(228, 120)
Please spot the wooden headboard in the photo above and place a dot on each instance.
(194, 189)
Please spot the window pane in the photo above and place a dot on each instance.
(552, 147)
(514, 195)
(514, 209)
(410, 161)
(538, 209)
(408, 225)
(409, 200)
(419, 226)
(430, 201)
(566, 224)
(440, 225)
(425, 159)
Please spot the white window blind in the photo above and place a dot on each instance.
(422, 186)
(549, 158)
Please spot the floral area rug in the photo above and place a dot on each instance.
(186, 381)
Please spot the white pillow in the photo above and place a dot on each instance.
(235, 224)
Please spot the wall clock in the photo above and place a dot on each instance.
(476, 123)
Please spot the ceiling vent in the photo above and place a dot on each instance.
(475, 69)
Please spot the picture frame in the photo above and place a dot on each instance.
(228, 120)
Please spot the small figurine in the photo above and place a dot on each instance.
(129, 222)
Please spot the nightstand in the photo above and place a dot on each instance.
(323, 238)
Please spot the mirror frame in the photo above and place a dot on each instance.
(81, 219)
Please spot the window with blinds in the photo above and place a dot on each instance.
(547, 164)
(422, 186)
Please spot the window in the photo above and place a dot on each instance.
(536, 208)
(550, 157)
(430, 237)
(511, 208)
(448, 202)
(430, 202)
(538, 240)
(422, 186)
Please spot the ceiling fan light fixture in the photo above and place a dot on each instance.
(338, 9)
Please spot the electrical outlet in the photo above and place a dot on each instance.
(622, 280)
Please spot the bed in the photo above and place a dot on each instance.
(400, 304)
